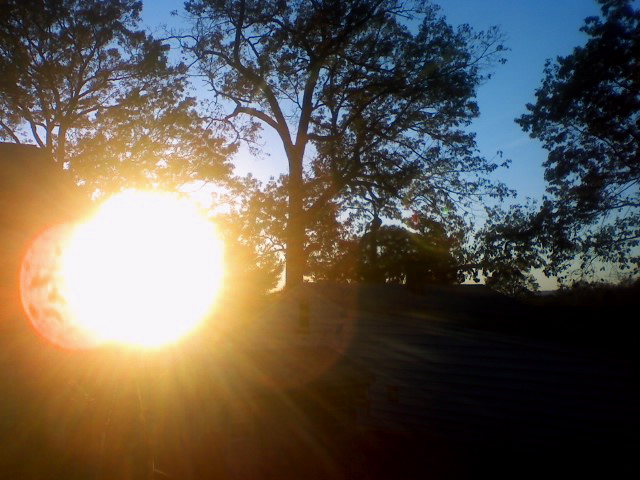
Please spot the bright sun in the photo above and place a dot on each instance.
(145, 270)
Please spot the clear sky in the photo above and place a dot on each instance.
(534, 31)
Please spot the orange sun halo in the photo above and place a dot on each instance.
(144, 271)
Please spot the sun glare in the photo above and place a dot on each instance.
(143, 271)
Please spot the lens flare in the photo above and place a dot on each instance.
(144, 271)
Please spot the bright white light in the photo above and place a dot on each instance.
(145, 270)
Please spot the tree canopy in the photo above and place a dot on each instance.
(79, 79)
(414, 259)
(587, 114)
(370, 100)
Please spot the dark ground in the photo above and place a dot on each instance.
(121, 415)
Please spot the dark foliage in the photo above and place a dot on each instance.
(587, 114)
(364, 106)
(507, 248)
(410, 258)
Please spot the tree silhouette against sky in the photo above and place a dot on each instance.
(365, 96)
(587, 114)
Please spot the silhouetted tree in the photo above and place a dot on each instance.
(328, 239)
(80, 80)
(365, 95)
(415, 259)
(625, 293)
(507, 248)
(587, 116)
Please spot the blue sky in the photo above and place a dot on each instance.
(534, 31)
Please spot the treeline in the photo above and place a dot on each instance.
(370, 101)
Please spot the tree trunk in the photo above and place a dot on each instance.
(372, 271)
(295, 235)
(377, 275)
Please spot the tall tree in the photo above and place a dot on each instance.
(587, 114)
(363, 94)
(79, 79)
